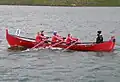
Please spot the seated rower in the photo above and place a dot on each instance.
(37, 39)
(42, 37)
(70, 39)
(99, 38)
(56, 38)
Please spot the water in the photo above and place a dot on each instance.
(53, 65)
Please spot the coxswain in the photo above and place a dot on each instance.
(99, 38)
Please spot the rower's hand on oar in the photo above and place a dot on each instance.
(64, 38)
(74, 43)
(48, 37)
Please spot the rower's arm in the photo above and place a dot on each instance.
(59, 38)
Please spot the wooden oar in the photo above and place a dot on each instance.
(35, 45)
(38, 44)
(55, 44)
(70, 45)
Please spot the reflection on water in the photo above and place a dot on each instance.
(100, 54)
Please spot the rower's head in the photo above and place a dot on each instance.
(38, 33)
(54, 33)
(69, 35)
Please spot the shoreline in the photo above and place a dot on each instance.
(63, 3)
(52, 5)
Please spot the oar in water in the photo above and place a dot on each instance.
(70, 45)
(36, 45)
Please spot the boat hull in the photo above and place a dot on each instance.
(105, 46)
(17, 41)
(14, 40)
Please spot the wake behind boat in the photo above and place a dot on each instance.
(28, 43)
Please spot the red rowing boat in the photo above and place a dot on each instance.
(14, 40)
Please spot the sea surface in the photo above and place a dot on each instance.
(46, 65)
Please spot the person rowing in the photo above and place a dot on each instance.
(37, 39)
(56, 38)
(70, 39)
(40, 38)
(99, 38)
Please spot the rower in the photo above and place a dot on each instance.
(99, 38)
(56, 37)
(37, 39)
(70, 39)
(42, 37)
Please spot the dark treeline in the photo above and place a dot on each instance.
(62, 2)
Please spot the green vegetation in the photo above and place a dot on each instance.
(62, 2)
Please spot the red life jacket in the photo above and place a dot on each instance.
(68, 40)
(37, 38)
(40, 38)
(56, 38)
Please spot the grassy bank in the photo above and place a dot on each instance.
(62, 2)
